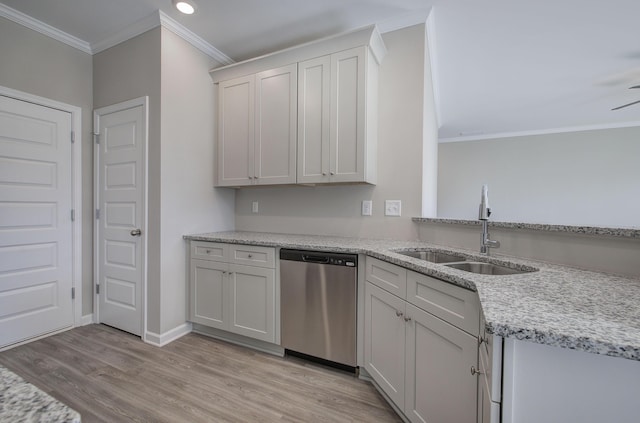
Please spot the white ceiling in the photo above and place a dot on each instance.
(501, 66)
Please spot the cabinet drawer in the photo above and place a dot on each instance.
(387, 276)
(209, 251)
(252, 255)
(451, 303)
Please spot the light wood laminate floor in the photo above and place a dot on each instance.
(111, 376)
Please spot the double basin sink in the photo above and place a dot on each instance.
(462, 263)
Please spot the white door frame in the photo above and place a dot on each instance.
(144, 102)
(76, 189)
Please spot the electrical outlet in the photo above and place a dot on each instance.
(367, 206)
(392, 207)
(254, 207)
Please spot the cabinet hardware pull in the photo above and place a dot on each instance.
(136, 232)
(475, 371)
(324, 173)
(399, 313)
(208, 251)
(250, 256)
(407, 319)
(333, 173)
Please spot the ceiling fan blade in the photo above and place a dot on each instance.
(626, 105)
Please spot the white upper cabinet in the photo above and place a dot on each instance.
(275, 136)
(314, 96)
(257, 128)
(337, 118)
(236, 106)
(313, 121)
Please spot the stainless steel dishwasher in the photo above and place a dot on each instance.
(318, 304)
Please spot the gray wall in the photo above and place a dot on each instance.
(335, 210)
(123, 72)
(39, 65)
(577, 178)
(189, 202)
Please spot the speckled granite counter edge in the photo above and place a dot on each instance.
(585, 230)
(385, 250)
(20, 401)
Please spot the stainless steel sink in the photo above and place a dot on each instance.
(487, 268)
(433, 256)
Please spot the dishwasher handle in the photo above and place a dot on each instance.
(310, 258)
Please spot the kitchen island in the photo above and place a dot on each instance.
(556, 305)
(555, 343)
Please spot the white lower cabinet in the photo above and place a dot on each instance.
(238, 298)
(421, 362)
(208, 293)
(385, 339)
(439, 386)
(252, 302)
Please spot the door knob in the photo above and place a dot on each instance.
(136, 232)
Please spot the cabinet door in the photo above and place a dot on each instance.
(314, 96)
(439, 383)
(275, 126)
(347, 127)
(488, 410)
(384, 345)
(207, 293)
(236, 105)
(252, 302)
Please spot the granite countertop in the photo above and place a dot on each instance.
(571, 229)
(21, 401)
(556, 305)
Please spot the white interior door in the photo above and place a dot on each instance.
(120, 234)
(35, 221)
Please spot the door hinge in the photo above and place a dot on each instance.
(73, 215)
(73, 137)
(73, 293)
(96, 137)
(97, 289)
(97, 214)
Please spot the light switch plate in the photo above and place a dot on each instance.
(367, 207)
(392, 207)
(254, 207)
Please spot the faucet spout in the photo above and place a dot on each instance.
(487, 243)
(483, 215)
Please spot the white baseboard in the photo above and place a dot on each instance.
(87, 319)
(160, 340)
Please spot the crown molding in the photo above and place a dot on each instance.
(404, 21)
(481, 137)
(43, 28)
(193, 39)
(133, 30)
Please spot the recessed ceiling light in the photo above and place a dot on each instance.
(188, 7)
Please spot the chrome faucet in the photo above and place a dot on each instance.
(483, 215)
